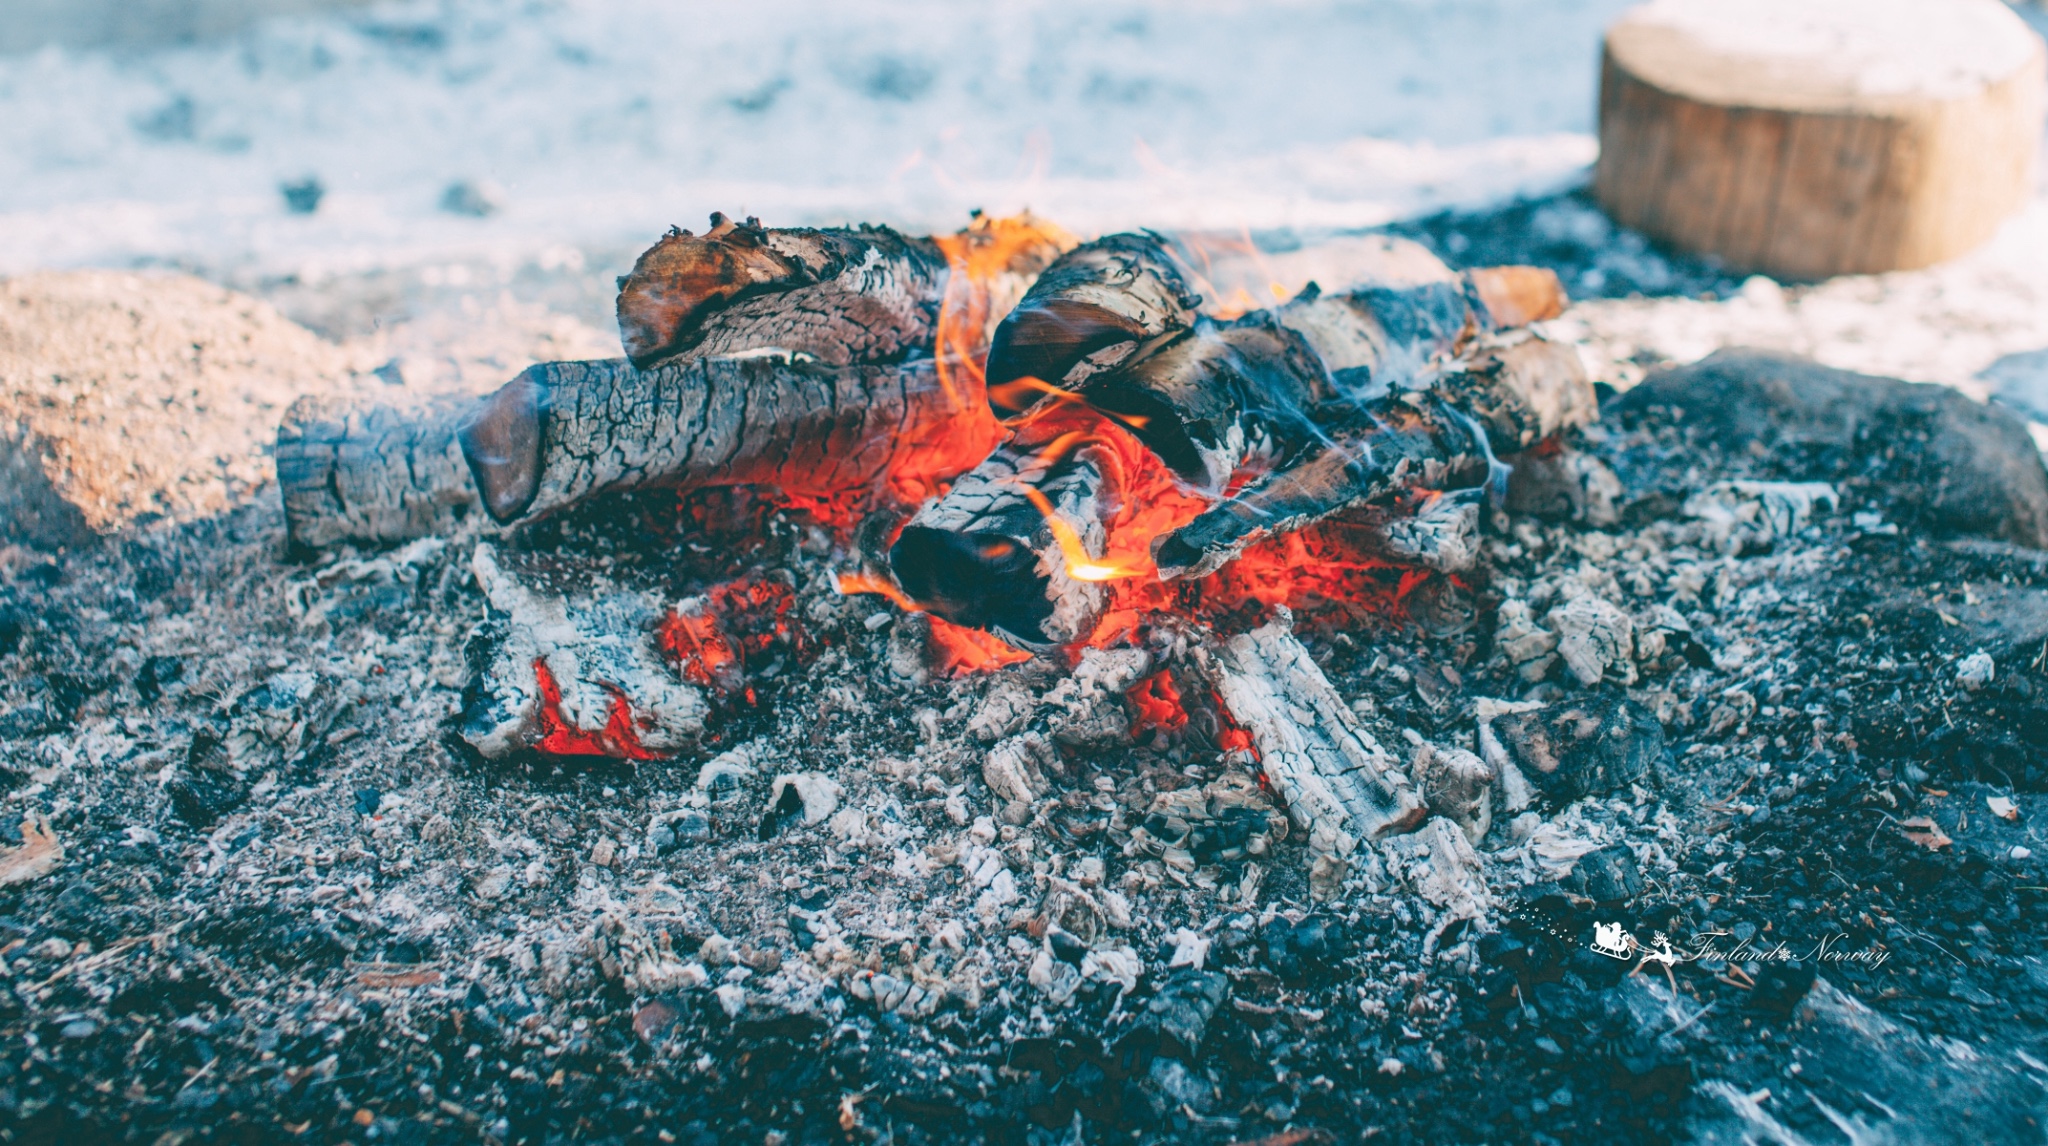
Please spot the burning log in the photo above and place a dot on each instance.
(569, 680)
(1301, 397)
(819, 362)
(564, 431)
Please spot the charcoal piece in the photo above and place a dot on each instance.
(570, 663)
(157, 673)
(1944, 463)
(1176, 1019)
(1309, 952)
(1607, 876)
(1341, 787)
(1587, 747)
(1780, 985)
(14, 623)
(202, 796)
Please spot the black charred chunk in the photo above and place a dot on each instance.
(1587, 747)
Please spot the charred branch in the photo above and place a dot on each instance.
(978, 556)
(564, 431)
(812, 360)
(1341, 787)
(377, 475)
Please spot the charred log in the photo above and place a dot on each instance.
(1503, 401)
(378, 475)
(564, 431)
(1088, 312)
(843, 295)
(1106, 303)
(814, 360)
(1341, 787)
(977, 556)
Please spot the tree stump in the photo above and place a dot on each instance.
(1819, 138)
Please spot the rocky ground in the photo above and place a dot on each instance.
(259, 891)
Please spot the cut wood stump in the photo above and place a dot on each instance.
(1819, 138)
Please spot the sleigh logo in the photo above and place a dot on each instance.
(1614, 941)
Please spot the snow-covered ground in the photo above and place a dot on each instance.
(603, 121)
(589, 126)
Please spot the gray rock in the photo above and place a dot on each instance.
(1941, 461)
(1877, 1081)
(2019, 382)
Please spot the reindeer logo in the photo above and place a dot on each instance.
(1614, 941)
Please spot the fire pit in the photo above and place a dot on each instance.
(932, 687)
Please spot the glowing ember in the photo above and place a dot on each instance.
(957, 650)
(1156, 705)
(711, 638)
(619, 739)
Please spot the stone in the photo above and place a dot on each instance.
(1937, 460)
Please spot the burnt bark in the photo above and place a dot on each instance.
(842, 295)
(1341, 787)
(986, 556)
(376, 475)
(798, 358)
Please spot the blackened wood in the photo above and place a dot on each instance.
(985, 554)
(376, 475)
(564, 431)
(1091, 310)
(1506, 399)
(841, 295)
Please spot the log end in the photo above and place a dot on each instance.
(1043, 340)
(981, 580)
(501, 440)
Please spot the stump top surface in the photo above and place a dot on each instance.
(1821, 55)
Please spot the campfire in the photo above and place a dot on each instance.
(1094, 452)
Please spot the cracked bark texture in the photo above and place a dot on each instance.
(375, 474)
(1341, 787)
(799, 358)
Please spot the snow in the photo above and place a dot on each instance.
(1943, 49)
(605, 122)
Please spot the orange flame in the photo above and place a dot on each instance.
(619, 738)
(958, 651)
(977, 257)
(988, 266)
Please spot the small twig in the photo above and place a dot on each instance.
(1696, 1016)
